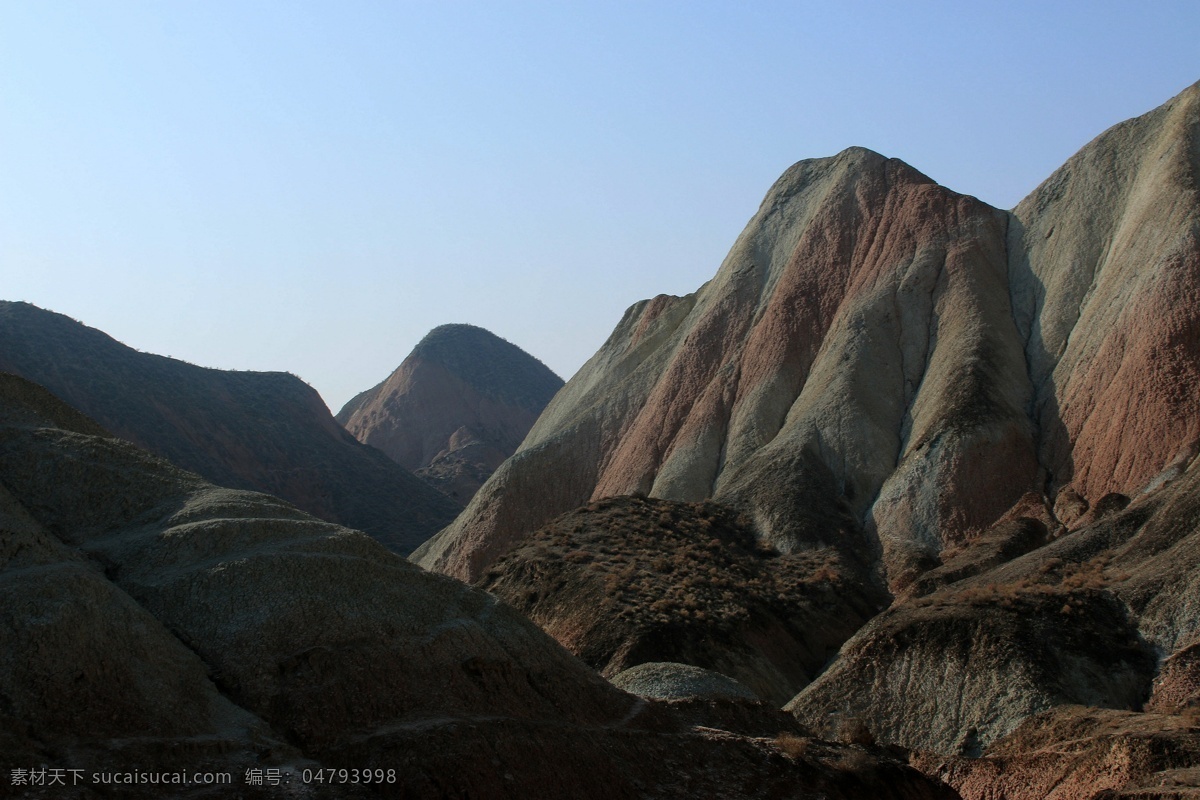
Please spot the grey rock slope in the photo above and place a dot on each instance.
(266, 432)
(456, 407)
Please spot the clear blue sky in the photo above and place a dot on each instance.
(311, 187)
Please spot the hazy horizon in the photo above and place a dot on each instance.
(310, 189)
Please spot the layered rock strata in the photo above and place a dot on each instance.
(882, 360)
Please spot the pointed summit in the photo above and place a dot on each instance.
(459, 404)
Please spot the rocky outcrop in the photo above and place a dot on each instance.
(456, 407)
(159, 622)
(1086, 620)
(665, 680)
(1076, 753)
(630, 580)
(1177, 687)
(267, 432)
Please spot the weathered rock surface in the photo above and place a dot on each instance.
(852, 375)
(1083, 620)
(267, 432)
(665, 680)
(1077, 753)
(882, 360)
(456, 407)
(1104, 266)
(159, 621)
(630, 580)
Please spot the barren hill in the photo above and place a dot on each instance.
(630, 580)
(455, 408)
(267, 432)
(156, 623)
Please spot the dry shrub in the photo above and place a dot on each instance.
(854, 730)
(791, 745)
(826, 573)
(853, 760)
(1088, 575)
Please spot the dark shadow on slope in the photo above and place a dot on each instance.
(1027, 296)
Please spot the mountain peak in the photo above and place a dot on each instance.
(493, 365)
(459, 404)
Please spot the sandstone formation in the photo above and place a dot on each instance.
(267, 432)
(153, 619)
(880, 360)
(632, 580)
(458, 405)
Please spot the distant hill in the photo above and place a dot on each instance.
(265, 431)
(455, 409)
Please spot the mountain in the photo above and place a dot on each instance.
(267, 432)
(455, 408)
(155, 623)
(989, 416)
(852, 377)
(1105, 266)
(882, 361)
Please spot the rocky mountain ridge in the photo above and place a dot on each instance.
(266, 432)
